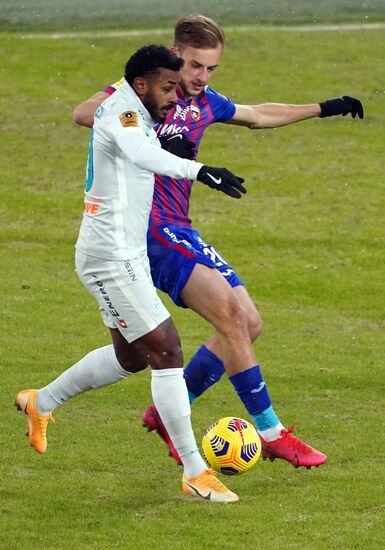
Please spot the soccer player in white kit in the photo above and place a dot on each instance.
(112, 263)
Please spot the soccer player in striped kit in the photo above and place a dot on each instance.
(189, 269)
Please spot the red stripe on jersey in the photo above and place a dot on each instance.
(175, 246)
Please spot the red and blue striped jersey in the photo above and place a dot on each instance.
(189, 117)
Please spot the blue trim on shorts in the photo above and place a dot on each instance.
(174, 251)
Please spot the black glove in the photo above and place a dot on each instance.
(178, 145)
(222, 180)
(342, 106)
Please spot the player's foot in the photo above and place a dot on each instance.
(37, 422)
(208, 487)
(153, 422)
(290, 448)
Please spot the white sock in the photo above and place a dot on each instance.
(271, 434)
(169, 392)
(97, 369)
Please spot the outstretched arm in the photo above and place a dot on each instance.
(84, 113)
(273, 115)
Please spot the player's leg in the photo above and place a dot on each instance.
(206, 292)
(197, 277)
(178, 268)
(99, 368)
(173, 252)
(210, 295)
(248, 383)
(206, 367)
(254, 321)
(162, 349)
(144, 322)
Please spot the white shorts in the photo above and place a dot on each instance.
(125, 293)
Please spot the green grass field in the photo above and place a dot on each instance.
(308, 239)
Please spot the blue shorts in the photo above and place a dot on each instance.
(174, 251)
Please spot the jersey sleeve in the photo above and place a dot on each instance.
(222, 107)
(136, 146)
(113, 87)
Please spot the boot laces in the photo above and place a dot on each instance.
(210, 480)
(293, 442)
(43, 422)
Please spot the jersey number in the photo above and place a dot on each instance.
(214, 256)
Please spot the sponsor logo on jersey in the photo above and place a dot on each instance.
(129, 119)
(175, 239)
(92, 205)
(112, 311)
(168, 129)
(130, 271)
(181, 113)
(195, 112)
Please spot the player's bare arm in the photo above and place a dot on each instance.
(273, 115)
(84, 113)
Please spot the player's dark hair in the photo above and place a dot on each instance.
(198, 31)
(148, 60)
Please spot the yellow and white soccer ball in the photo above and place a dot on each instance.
(231, 446)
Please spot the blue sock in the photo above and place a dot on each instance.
(202, 371)
(252, 390)
(266, 419)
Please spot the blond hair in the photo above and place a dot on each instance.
(198, 31)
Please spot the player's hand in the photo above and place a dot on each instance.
(342, 106)
(178, 145)
(223, 180)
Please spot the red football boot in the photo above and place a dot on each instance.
(153, 422)
(290, 448)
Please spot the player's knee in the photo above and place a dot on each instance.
(233, 316)
(255, 326)
(169, 351)
(168, 358)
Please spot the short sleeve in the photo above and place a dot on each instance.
(222, 107)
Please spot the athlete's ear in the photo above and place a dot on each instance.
(174, 49)
(140, 86)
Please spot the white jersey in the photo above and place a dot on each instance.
(124, 154)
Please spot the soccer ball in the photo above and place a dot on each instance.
(231, 446)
